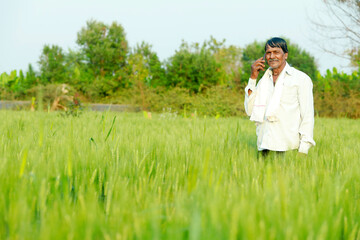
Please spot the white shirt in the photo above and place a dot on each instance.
(295, 116)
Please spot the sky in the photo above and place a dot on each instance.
(27, 25)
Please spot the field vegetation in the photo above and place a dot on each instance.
(165, 176)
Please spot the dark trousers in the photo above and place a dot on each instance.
(266, 153)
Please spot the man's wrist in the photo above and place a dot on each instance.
(252, 76)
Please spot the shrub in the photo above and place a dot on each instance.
(218, 100)
(337, 94)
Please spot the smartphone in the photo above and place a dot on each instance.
(264, 58)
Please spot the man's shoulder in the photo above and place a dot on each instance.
(301, 78)
(298, 74)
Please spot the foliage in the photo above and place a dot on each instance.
(52, 65)
(31, 78)
(302, 60)
(100, 68)
(214, 101)
(193, 67)
(79, 75)
(155, 99)
(139, 76)
(219, 101)
(206, 78)
(354, 54)
(15, 84)
(338, 94)
(105, 50)
(156, 73)
(229, 58)
(251, 52)
(198, 67)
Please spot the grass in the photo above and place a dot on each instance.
(124, 176)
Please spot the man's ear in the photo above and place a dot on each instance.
(286, 56)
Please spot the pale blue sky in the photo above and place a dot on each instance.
(26, 25)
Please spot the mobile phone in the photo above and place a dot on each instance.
(264, 57)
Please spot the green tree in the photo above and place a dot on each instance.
(52, 65)
(13, 85)
(139, 75)
(80, 76)
(302, 60)
(156, 73)
(30, 77)
(298, 58)
(251, 52)
(229, 58)
(105, 50)
(193, 67)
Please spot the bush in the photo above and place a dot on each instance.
(337, 101)
(215, 101)
(337, 94)
(219, 101)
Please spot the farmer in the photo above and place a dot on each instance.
(281, 103)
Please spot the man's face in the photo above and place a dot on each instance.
(275, 57)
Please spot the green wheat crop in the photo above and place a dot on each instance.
(124, 176)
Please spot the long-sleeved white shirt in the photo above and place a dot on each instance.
(295, 125)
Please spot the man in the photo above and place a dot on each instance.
(281, 104)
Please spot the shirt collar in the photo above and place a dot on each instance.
(288, 69)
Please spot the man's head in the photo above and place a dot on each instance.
(276, 52)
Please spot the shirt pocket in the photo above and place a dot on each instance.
(289, 94)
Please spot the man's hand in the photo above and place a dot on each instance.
(256, 67)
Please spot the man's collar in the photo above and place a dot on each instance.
(288, 69)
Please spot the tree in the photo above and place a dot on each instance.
(30, 77)
(229, 59)
(156, 73)
(251, 52)
(340, 27)
(139, 75)
(105, 49)
(52, 66)
(298, 58)
(80, 76)
(193, 67)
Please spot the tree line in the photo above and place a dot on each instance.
(105, 68)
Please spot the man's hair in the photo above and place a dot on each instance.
(277, 42)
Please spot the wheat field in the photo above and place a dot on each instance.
(128, 176)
